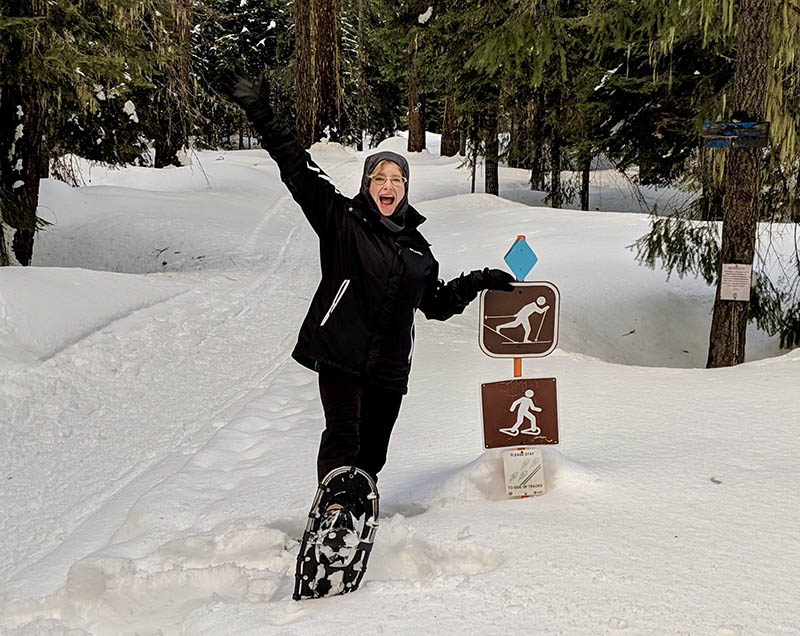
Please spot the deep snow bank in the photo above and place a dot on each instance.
(44, 310)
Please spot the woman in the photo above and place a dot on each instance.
(377, 269)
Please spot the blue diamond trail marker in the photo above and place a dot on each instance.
(520, 258)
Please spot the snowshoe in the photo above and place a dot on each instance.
(339, 535)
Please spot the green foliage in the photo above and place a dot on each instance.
(256, 36)
(682, 246)
(90, 58)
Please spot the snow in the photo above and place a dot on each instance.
(424, 17)
(158, 443)
(129, 109)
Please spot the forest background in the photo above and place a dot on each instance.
(544, 85)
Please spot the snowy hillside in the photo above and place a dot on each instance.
(158, 444)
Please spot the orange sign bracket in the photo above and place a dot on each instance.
(518, 361)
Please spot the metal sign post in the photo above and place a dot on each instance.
(522, 412)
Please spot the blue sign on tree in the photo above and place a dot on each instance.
(520, 258)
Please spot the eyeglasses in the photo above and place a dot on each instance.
(380, 180)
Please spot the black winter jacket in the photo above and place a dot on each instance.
(374, 275)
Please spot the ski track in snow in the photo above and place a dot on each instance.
(218, 318)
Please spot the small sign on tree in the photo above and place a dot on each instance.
(735, 134)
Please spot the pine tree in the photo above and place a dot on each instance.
(59, 57)
(687, 246)
(742, 168)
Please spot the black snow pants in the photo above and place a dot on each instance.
(359, 418)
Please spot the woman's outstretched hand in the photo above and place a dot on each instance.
(253, 97)
(493, 279)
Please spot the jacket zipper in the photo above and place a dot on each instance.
(411, 353)
(336, 299)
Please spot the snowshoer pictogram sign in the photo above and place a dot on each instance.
(519, 412)
(522, 323)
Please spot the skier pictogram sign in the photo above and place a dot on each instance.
(522, 323)
(519, 412)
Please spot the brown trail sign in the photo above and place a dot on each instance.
(522, 323)
(519, 412)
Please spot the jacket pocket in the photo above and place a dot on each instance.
(336, 299)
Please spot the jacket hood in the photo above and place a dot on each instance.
(397, 221)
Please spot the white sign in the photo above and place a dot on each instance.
(736, 282)
(524, 471)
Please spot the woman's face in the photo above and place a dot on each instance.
(387, 195)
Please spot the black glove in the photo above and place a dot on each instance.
(253, 97)
(492, 279)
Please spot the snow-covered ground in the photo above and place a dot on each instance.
(157, 442)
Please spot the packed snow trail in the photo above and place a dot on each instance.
(133, 414)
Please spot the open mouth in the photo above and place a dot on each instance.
(386, 199)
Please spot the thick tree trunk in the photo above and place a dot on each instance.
(491, 177)
(742, 168)
(304, 74)
(416, 103)
(451, 140)
(21, 130)
(21, 148)
(326, 69)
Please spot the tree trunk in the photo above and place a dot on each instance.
(451, 139)
(491, 177)
(520, 139)
(171, 109)
(585, 166)
(742, 168)
(326, 69)
(473, 166)
(21, 130)
(536, 141)
(416, 103)
(555, 171)
(537, 168)
(304, 74)
(361, 80)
